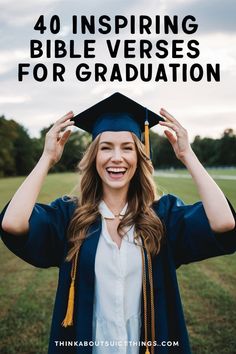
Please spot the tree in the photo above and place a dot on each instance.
(16, 152)
(163, 155)
(226, 154)
(73, 151)
(19, 153)
(23, 151)
(7, 137)
(206, 150)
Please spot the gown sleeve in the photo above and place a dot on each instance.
(44, 244)
(189, 233)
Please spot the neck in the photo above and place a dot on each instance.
(115, 198)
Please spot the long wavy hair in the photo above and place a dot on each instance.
(141, 195)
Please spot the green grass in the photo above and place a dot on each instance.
(208, 288)
(212, 171)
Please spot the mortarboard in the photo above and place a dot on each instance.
(118, 113)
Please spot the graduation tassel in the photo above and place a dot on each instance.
(68, 320)
(146, 135)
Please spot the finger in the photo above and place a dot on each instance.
(65, 137)
(67, 116)
(66, 124)
(168, 116)
(58, 128)
(171, 126)
(172, 139)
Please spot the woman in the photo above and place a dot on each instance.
(117, 247)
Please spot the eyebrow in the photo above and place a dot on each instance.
(110, 143)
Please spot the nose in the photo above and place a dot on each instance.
(116, 155)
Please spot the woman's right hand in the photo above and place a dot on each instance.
(16, 218)
(56, 138)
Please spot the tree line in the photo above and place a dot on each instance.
(19, 152)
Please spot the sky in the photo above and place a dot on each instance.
(203, 108)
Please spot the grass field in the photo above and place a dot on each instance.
(212, 171)
(208, 288)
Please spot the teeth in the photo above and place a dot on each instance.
(116, 169)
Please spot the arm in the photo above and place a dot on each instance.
(16, 218)
(215, 204)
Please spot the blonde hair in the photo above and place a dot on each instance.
(141, 195)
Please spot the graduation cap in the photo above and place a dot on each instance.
(118, 113)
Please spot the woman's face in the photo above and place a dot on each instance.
(116, 159)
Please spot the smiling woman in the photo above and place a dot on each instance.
(116, 159)
(118, 244)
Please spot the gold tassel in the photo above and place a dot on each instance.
(68, 320)
(146, 135)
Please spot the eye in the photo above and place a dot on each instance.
(128, 148)
(105, 148)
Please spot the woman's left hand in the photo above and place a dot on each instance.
(179, 140)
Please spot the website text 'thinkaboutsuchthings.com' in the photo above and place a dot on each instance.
(116, 343)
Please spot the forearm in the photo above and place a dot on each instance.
(20, 207)
(16, 218)
(215, 204)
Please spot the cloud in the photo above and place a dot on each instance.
(14, 99)
(22, 13)
(8, 59)
(204, 108)
(212, 16)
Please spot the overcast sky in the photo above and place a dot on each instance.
(203, 108)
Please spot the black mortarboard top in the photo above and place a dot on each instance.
(116, 113)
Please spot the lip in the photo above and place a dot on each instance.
(125, 168)
(115, 178)
(116, 167)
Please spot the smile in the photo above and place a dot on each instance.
(116, 172)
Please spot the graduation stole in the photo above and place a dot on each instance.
(148, 300)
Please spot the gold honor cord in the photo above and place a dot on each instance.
(152, 319)
(152, 300)
(145, 301)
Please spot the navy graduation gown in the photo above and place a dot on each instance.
(188, 239)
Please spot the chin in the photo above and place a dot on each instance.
(117, 185)
(122, 183)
